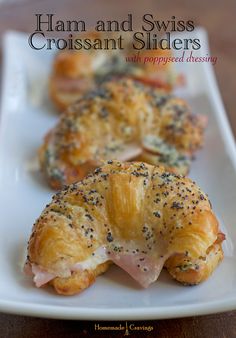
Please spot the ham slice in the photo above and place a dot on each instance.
(141, 265)
(41, 276)
(143, 268)
(130, 151)
(68, 84)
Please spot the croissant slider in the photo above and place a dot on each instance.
(76, 72)
(135, 215)
(121, 120)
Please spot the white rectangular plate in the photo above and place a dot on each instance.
(26, 115)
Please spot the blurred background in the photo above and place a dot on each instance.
(217, 17)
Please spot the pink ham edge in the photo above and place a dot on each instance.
(144, 271)
(130, 151)
(28, 268)
(68, 85)
(41, 276)
(142, 268)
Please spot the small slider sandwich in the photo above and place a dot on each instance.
(137, 216)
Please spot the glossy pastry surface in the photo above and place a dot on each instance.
(121, 120)
(135, 215)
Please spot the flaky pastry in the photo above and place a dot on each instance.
(135, 215)
(121, 120)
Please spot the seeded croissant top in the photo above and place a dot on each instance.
(138, 216)
(121, 120)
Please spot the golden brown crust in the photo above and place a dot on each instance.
(76, 72)
(192, 272)
(78, 280)
(121, 120)
(122, 206)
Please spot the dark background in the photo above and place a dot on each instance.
(218, 17)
